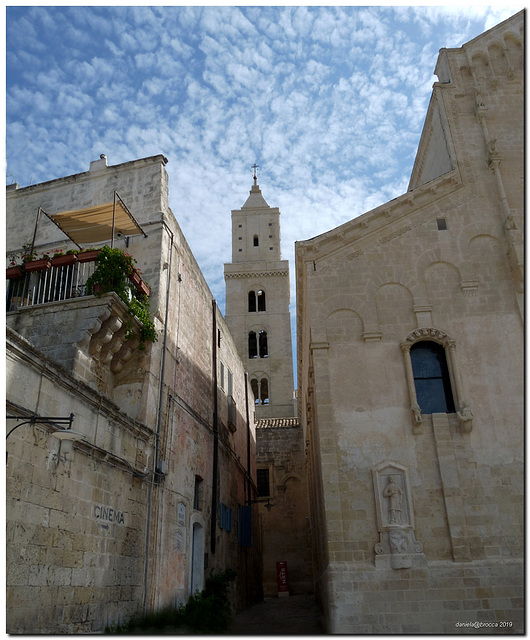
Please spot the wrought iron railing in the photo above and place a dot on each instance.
(50, 285)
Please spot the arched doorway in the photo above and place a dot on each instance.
(197, 558)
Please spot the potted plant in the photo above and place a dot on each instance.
(61, 259)
(32, 263)
(141, 286)
(88, 255)
(14, 271)
(113, 272)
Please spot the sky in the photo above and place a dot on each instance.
(329, 101)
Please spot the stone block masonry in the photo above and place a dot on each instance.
(441, 599)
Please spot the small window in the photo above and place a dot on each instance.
(222, 375)
(442, 224)
(261, 300)
(262, 481)
(230, 382)
(240, 225)
(244, 525)
(197, 493)
(431, 378)
(251, 301)
(252, 345)
(256, 241)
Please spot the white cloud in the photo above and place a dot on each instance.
(329, 101)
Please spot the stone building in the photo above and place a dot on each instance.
(257, 314)
(410, 370)
(151, 487)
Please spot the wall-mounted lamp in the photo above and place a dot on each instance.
(43, 420)
(267, 504)
(66, 439)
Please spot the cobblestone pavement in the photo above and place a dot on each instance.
(280, 616)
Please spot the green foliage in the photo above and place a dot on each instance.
(206, 612)
(112, 273)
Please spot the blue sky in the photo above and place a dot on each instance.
(329, 101)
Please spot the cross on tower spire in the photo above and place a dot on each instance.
(255, 166)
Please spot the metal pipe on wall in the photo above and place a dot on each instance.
(213, 515)
(158, 428)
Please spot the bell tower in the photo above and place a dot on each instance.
(257, 304)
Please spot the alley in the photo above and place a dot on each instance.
(298, 615)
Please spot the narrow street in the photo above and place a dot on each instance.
(298, 615)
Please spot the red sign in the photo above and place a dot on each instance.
(282, 577)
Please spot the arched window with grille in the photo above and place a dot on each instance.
(431, 378)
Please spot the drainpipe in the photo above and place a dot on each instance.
(158, 428)
(213, 516)
(248, 489)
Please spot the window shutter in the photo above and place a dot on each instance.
(244, 533)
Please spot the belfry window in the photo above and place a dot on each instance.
(264, 391)
(263, 346)
(251, 301)
(260, 389)
(431, 378)
(252, 345)
(256, 302)
(261, 300)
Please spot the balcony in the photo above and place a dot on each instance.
(78, 307)
(48, 283)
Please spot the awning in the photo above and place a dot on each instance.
(97, 224)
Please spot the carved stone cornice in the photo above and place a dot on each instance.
(257, 274)
(426, 333)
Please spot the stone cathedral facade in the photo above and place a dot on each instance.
(410, 371)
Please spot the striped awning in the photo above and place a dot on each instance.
(97, 224)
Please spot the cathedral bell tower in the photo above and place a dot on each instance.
(257, 305)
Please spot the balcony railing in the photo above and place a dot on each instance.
(50, 285)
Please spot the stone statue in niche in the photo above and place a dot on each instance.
(397, 547)
(394, 494)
